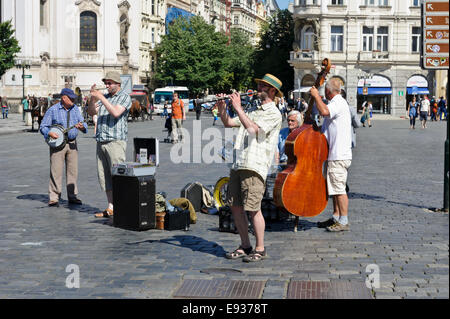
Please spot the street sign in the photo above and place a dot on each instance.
(436, 63)
(436, 6)
(400, 93)
(26, 76)
(437, 34)
(435, 25)
(436, 47)
(436, 21)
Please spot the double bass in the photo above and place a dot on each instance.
(301, 188)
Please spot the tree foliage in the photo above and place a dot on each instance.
(240, 55)
(274, 48)
(192, 54)
(9, 47)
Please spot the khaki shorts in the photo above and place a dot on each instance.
(337, 176)
(109, 153)
(246, 189)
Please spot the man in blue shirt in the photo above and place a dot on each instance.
(67, 115)
(295, 120)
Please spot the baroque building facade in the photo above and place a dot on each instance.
(153, 13)
(373, 46)
(71, 43)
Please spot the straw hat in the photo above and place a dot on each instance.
(113, 76)
(272, 81)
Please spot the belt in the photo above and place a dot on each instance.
(73, 140)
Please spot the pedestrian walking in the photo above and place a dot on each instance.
(337, 130)
(178, 115)
(442, 108)
(412, 113)
(197, 108)
(25, 104)
(367, 113)
(5, 107)
(165, 112)
(255, 149)
(433, 109)
(66, 114)
(214, 113)
(112, 131)
(424, 111)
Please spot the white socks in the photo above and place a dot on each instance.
(343, 220)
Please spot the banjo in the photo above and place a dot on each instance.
(58, 143)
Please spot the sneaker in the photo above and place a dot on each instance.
(326, 223)
(338, 227)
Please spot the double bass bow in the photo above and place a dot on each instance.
(301, 188)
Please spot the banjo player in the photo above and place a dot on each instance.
(65, 115)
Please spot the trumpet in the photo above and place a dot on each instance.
(248, 93)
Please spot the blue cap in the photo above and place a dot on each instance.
(68, 92)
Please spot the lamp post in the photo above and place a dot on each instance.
(23, 64)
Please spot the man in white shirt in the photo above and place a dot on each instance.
(424, 110)
(337, 130)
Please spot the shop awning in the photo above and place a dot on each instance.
(376, 91)
(417, 90)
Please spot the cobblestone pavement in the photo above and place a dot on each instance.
(396, 175)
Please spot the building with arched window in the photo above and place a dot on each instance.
(71, 43)
(373, 47)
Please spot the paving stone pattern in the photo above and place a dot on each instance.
(396, 175)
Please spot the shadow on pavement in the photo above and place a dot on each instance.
(382, 199)
(84, 208)
(192, 242)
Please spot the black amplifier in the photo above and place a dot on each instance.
(134, 202)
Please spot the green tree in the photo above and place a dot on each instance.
(239, 59)
(192, 55)
(9, 47)
(273, 51)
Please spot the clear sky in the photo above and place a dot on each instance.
(283, 4)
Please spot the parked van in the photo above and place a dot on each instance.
(163, 95)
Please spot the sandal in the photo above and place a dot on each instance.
(104, 214)
(255, 256)
(237, 254)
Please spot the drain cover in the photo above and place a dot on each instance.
(327, 290)
(220, 288)
(228, 271)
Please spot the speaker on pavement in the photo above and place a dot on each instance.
(134, 202)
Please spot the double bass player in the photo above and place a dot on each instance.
(337, 130)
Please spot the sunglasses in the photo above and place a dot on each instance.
(109, 83)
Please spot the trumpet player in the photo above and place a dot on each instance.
(255, 148)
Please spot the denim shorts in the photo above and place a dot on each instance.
(423, 116)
